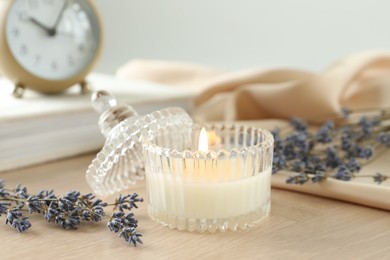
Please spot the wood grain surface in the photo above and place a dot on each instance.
(299, 227)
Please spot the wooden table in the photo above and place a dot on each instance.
(299, 227)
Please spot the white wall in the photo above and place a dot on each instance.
(235, 34)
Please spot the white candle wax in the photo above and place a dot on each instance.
(192, 199)
(228, 187)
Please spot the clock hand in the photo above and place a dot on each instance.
(59, 17)
(41, 25)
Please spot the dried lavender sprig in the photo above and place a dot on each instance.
(127, 202)
(126, 227)
(125, 224)
(17, 221)
(69, 210)
(331, 152)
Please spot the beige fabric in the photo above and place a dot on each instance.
(376, 196)
(357, 81)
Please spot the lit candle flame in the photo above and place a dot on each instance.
(203, 142)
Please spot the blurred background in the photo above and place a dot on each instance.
(232, 34)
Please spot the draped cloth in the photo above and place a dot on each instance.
(358, 81)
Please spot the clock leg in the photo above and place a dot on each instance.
(18, 90)
(84, 87)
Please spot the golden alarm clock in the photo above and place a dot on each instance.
(48, 45)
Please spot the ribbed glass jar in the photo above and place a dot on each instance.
(225, 188)
(120, 163)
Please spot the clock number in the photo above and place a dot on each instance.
(15, 32)
(33, 4)
(23, 49)
(70, 60)
(37, 59)
(54, 65)
(23, 16)
(81, 48)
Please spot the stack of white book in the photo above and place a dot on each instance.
(39, 128)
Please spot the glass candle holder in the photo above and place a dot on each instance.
(225, 186)
(120, 163)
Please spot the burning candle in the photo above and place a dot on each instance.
(219, 184)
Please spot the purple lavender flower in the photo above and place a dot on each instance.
(315, 163)
(366, 153)
(318, 177)
(4, 207)
(116, 223)
(17, 221)
(379, 178)
(86, 215)
(279, 162)
(69, 220)
(130, 235)
(353, 165)
(3, 193)
(72, 196)
(100, 203)
(345, 112)
(346, 143)
(130, 221)
(324, 134)
(343, 173)
(46, 194)
(298, 124)
(301, 178)
(12, 214)
(332, 159)
(88, 196)
(128, 202)
(125, 225)
(34, 204)
(98, 213)
(51, 213)
(298, 140)
(384, 138)
(22, 225)
(369, 122)
(278, 142)
(367, 125)
(65, 204)
(21, 192)
(298, 166)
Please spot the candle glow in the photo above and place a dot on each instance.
(203, 145)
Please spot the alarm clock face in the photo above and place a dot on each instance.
(53, 39)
